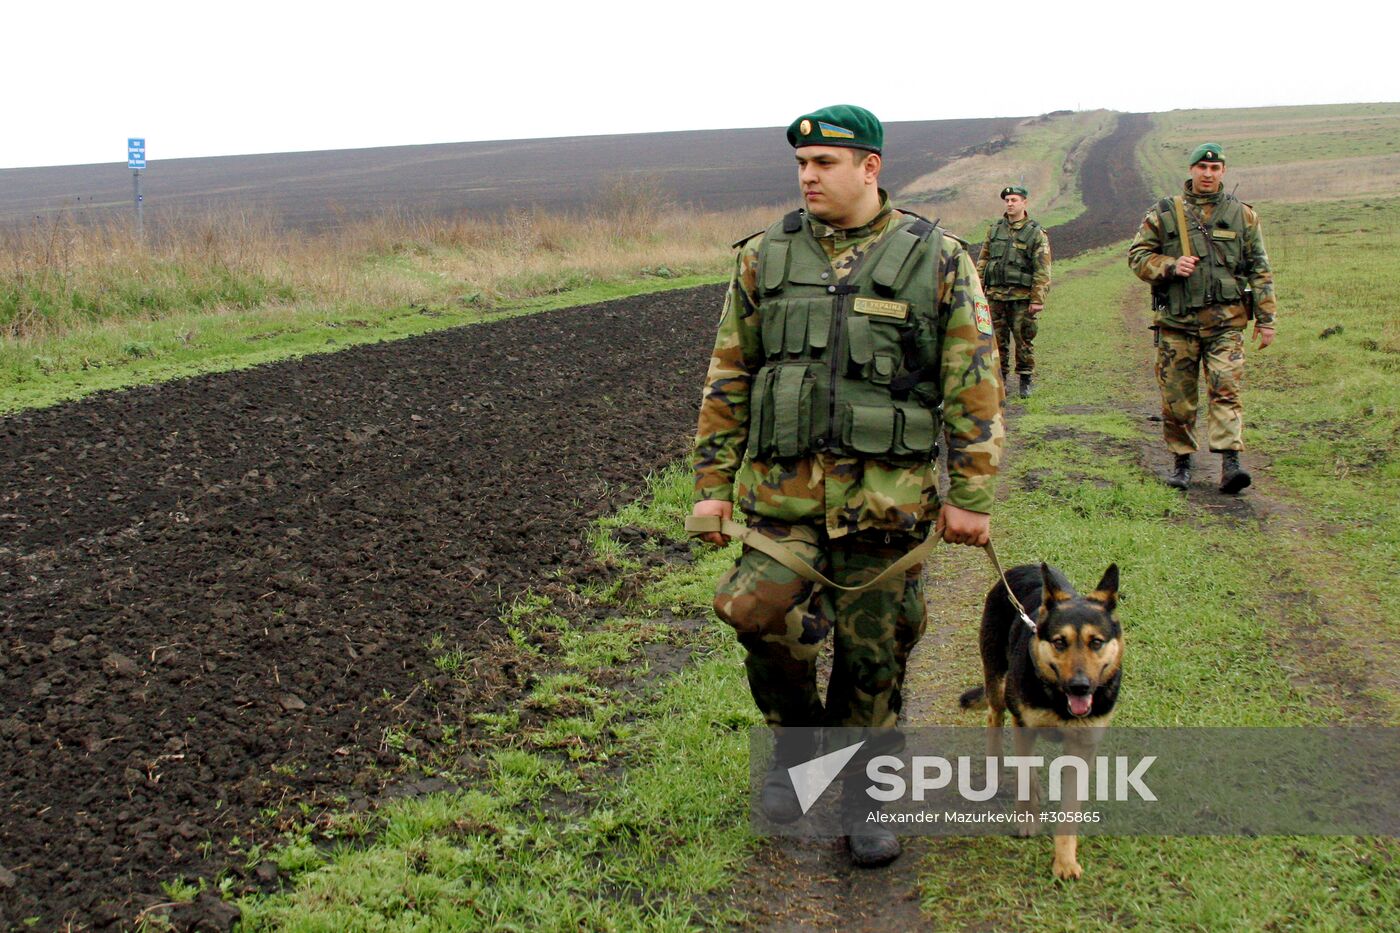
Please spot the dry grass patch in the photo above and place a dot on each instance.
(1044, 153)
(61, 277)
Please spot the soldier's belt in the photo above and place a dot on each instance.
(752, 537)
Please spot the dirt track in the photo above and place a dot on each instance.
(215, 594)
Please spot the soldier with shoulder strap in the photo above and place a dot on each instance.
(1203, 253)
(1014, 265)
(854, 340)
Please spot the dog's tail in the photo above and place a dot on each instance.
(975, 698)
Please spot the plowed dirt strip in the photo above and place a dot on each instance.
(215, 595)
(1115, 196)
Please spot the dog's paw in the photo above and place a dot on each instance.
(1027, 828)
(1067, 869)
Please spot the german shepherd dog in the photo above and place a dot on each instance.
(1063, 675)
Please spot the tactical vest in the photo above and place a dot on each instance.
(841, 374)
(1011, 255)
(1219, 278)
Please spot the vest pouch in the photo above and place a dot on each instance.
(761, 413)
(860, 344)
(874, 347)
(918, 432)
(869, 429)
(791, 399)
(818, 311)
(775, 265)
(996, 260)
(1227, 288)
(773, 328)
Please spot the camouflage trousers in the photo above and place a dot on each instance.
(1181, 356)
(1014, 318)
(783, 620)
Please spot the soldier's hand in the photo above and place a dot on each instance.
(1185, 265)
(1035, 309)
(725, 510)
(959, 526)
(1263, 336)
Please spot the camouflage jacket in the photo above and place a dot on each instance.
(1040, 262)
(848, 494)
(1151, 264)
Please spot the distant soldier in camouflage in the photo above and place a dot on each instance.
(1205, 287)
(845, 327)
(1014, 266)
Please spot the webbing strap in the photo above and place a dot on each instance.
(705, 524)
(1183, 229)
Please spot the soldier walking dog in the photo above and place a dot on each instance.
(853, 336)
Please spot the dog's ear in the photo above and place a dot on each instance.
(1050, 593)
(1107, 590)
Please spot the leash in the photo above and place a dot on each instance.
(705, 524)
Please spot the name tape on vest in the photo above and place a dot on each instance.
(895, 309)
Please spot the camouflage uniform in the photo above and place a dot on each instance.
(1010, 303)
(1196, 327)
(850, 516)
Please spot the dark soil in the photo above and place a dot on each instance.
(216, 595)
(1115, 196)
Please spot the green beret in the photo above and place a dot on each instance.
(840, 125)
(1014, 189)
(1207, 152)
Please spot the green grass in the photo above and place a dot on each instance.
(1199, 610)
(1269, 136)
(140, 352)
(553, 836)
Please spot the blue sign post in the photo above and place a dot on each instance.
(136, 161)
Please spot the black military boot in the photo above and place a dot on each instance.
(872, 843)
(1180, 477)
(1026, 385)
(777, 797)
(1233, 477)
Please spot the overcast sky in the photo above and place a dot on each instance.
(202, 79)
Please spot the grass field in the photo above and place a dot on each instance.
(1076, 492)
(648, 851)
(1317, 153)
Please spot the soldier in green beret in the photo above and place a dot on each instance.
(1014, 266)
(853, 336)
(1203, 253)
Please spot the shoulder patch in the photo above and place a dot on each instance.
(740, 242)
(983, 314)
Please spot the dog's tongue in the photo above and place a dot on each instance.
(1079, 706)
